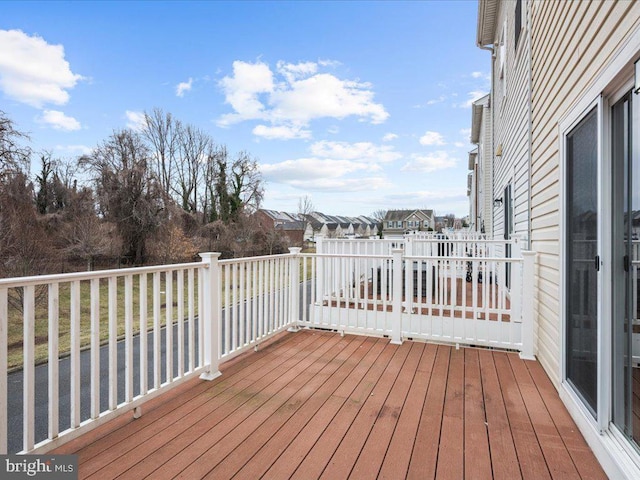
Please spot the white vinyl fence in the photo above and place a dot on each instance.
(109, 340)
(86, 347)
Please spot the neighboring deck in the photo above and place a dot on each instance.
(314, 404)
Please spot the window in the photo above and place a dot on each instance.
(502, 58)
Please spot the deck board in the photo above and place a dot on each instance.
(317, 405)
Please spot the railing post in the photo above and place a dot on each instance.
(211, 306)
(396, 315)
(528, 319)
(294, 288)
(408, 246)
(515, 271)
(320, 270)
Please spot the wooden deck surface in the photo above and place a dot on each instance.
(316, 405)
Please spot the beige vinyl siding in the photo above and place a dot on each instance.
(571, 43)
(511, 123)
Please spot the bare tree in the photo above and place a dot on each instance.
(127, 191)
(379, 215)
(162, 134)
(85, 235)
(305, 208)
(246, 185)
(194, 145)
(13, 155)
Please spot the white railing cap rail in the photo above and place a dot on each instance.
(252, 259)
(415, 257)
(117, 272)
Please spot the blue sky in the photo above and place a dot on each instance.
(360, 105)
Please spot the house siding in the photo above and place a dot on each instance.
(511, 123)
(572, 42)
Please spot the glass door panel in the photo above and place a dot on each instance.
(582, 261)
(625, 144)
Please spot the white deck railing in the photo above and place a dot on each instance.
(111, 340)
(442, 298)
(419, 245)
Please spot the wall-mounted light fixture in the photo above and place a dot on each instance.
(497, 202)
(636, 87)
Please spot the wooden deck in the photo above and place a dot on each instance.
(316, 405)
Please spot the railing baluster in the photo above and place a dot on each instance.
(254, 299)
(261, 299)
(128, 337)
(180, 287)
(4, 326)
(113, 347)
(52, 364)
(157, 367)
(200, 317)
(227, 308)
(241, 317)
(191, 305)
(75, 354)
(168, 330)
(28, 368)
(95, 347)
(144, 386)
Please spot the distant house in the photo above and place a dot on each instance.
(289, 224)
(339, 226)
(400, 222)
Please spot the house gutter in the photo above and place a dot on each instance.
(530, 120)
(491, 131)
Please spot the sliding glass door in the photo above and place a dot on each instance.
(582, 260)
(625, 155)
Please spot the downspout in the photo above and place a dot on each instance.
(530, 120)
(491, 129)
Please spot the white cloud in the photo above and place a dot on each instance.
(324, 95)
(472, 97)
(459, 144)
(59, 120)
(242, 90)
(365, 152)
(293, 72)
(33, 71)
(431, 138)
(74, 149)
(184, 87)
(135, 120)
(389, 137)
(333, 130)
(482, 75)
(431, 162)
(345, 185)
(295, 95)
(440, 99)
(303, 169)
(281, 132)
(329, 63)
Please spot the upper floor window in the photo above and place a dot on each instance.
(502, 54)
